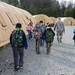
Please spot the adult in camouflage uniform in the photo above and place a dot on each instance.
(37, 30)
(59, 27)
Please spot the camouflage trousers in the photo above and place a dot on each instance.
(59, 36)
(37, 46)
(48, 46)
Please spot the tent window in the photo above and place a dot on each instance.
(9, 18)
(1, 21)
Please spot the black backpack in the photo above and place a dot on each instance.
(49, 36)
(17, 38)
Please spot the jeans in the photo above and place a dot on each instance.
(42, 40)
(18, 54)
(29, 35)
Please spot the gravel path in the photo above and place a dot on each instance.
(61, 61)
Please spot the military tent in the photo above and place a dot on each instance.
(42, 17)
(9, 16)
(68, 21)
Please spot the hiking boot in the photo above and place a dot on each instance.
(48, 52)
(60, 41)
(38, 52)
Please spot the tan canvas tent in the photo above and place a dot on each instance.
(5, 28)
(9, 16)
(42, 17)
(68, 21)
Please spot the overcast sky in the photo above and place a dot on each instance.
(67, 0)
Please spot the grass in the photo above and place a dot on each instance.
(5, 46)
(1, 48)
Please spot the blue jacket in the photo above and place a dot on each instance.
(25, 45)
(74, 31)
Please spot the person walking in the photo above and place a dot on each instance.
(43, 28)
(74, 36)
(17, 39)
(37, 35)
(59, 27)
(29, 29)
(49, 38)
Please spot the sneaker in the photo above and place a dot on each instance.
(16, 69)
(20, 67)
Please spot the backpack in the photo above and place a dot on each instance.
(17, 38)
(37, 33)
(49, 36)
(74, 31)
(28, 28)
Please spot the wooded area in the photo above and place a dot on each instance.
(47, 7)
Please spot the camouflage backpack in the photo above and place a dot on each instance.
(17, 38)
(49, 36)
(37, 33)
